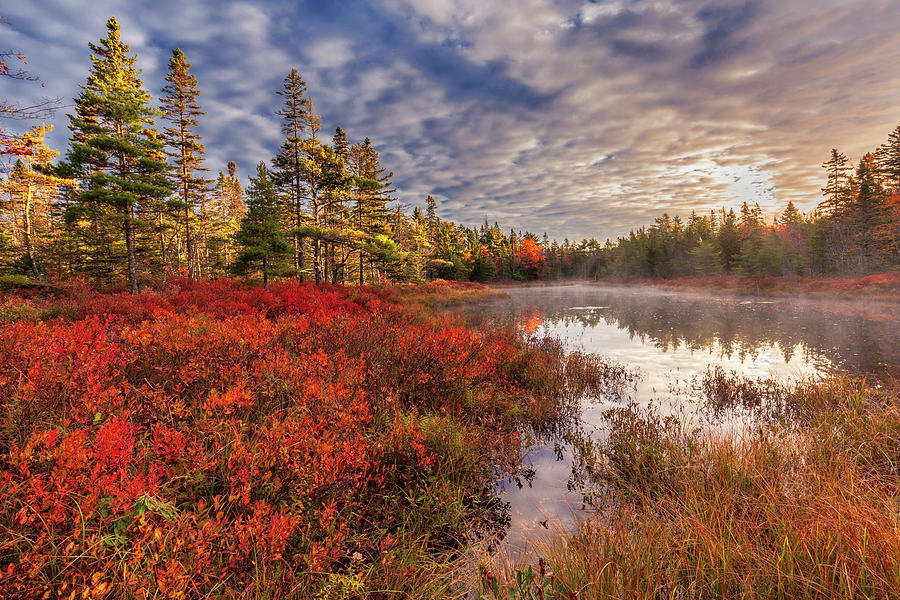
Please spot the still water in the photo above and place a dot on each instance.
(668, 341)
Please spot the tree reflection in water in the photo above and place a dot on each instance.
(673, 346)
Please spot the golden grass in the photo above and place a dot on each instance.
(799, 507)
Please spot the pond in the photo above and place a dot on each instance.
(669, 340)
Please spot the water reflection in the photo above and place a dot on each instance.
(845, 336)
(670, 340)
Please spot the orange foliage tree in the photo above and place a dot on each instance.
(531, 258)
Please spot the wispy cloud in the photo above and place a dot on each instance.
(578, 118)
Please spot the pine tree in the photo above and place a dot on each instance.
(868, 213)
(706, 258)
(729, 239)
(837, 188)
(337, 190)
(431, 216)
(370, 190)
(114, 147)
(752, 225)
(791, 215)
(223, 215)
(341, 144)
(299, 123)
(889, 160)
(432, 221)
(181, 109)
(837, 225)
(260, 236)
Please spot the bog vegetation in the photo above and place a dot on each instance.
(246, 442)
(800, 505)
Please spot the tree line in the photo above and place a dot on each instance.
(854, 230)
(132, 201)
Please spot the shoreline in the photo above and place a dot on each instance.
(880, 287)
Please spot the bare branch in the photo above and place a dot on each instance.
(44, 109)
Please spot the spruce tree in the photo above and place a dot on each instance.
(371, 190)
(298, 124)
(728, 239)
(837, 187)
(33, 191)
(869, 215)
(431, 215)
(260, 237)
(837, 225)
(340, 144)
(181, 109)
(889, 159)
(224, 215)
(114, 145)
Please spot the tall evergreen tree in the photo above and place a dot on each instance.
(32, 192)
(889, 155)
(114, 146)
(298, 124)
(431, 217)
(339, 252)
(341, 144)
(260, 237)
(224, 215)
(837, 186)
(868, 212)
(729, 239)
(181, 109)
(836, 224)
(371, 190)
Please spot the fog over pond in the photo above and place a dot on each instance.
(669, 340)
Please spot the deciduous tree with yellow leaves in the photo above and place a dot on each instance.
(29, 195)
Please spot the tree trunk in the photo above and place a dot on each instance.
(317, 243)
(27, 231)
(298, 240)
(128, 225)
(331, 263)
(189, 248)
(298, 207)
(302, 263)
(163, 251)
(129, 245)
(202, 239)
(317, 260)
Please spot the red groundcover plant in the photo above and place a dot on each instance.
(224, 441)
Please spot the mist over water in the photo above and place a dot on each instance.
(669, 340)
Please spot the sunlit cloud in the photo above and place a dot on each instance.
(582, 119)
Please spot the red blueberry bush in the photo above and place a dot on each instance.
(245, 442)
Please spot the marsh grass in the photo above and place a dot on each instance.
(803, 503)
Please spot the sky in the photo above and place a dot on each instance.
(581, 119)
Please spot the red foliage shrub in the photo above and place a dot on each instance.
(219, 438)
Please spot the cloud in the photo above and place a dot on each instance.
(579, 118)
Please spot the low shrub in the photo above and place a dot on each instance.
(225, 441)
